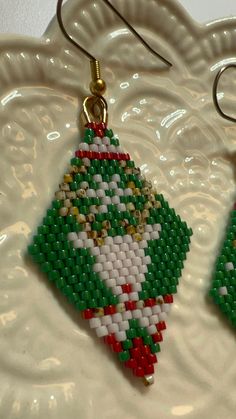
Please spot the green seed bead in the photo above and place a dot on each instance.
(131, 333)
(46, 267)
(124, 356)
(76, 161)
(39, 258)
(33, 249)
(155, 347)
(43, 229)
(81, 305)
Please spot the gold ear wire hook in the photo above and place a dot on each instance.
(215, 92)
(98, 86)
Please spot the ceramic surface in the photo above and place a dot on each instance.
(51, 364)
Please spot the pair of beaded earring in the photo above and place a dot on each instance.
(223, 287)
(110, 242)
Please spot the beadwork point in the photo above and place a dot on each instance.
(148, 380)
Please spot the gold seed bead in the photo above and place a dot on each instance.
(81, 218)
(74, 211)
(92, 234)
(140, 228)
(130, 206)
(120, 308)
(131, 185)
(99, 312)
(131, 230)
(137, 237)
(68, 178)
(99, 241)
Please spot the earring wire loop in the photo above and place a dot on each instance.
(215, 93)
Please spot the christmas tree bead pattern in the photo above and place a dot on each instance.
(114, 248)
(223, 290)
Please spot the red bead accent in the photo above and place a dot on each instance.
(110, 309)
(235, 206)
(131, 363)
(150, 302)
(168, 299)
(152, 359)
(135, 353)
(117, 347)
(139, 372)
(161, 326)
(130, 305)
(149, 369)
(110, 339)
(145, 350)
(137, 342)
(143, 362)
(126, 288)
(87, 314)
(157, 337)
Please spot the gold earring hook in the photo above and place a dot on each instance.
(98, 86)
(215, 92)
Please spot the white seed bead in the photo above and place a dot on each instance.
(115, 177)
(120, 308)
(120, 336)
(148, 228)
(130, 254)
(115, 248)
(117, 290)
(104, 275)
(94, 322)
(106, 320)
(84, 146)
(156, 309)
(93, 209)
(223, 291)
(133, 296)
(146, 236)
(124, 325)
(102, 331)
(101, 258)
(141, 278)
(112, 185)
(106, 140)
(154, 319)
(128, 192)
(113, 328)
(147, 311)
(78, 244)
(121, 255)
(116, 318)
(89, 243)
(100, 193)
(151, 329)
(118, 264)
(82, 235)
(105, 250)
(106, 200)
(97, 267)
(123, 298)
(115, 200)
(229, 266)
(84, 185)
(97, 178)
(121, 207)
(137, 261)
(118, 239)
(121, 280)
(94, 147)
(146, 260)
(60, 195)
(124, 272)
(165, 308)
(157, 227)
(143, 244)
(154, 235)
(140, 304)
(124, 247)
(137, 314)
(134, 246)
(112, 257)
(107, 266)
(133, 270)
(143, 269)
(108, 241)
(91, 193)
(72, 236)
(119, 192)
(111, 282)
(137, 287)
(86, 161)
(127, 263)
(140, 253)
(162, 316)
(127, 315)
(130, 279)
(103, 185)
(102, 209)
(143, 322)
(97, 140)
(114, 273)
(102, 148)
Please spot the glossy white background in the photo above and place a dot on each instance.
(23, 20)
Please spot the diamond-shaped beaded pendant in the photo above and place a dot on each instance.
(223, 288)
(113, 246)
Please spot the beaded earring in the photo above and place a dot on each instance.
(223, 287)
(111, 243)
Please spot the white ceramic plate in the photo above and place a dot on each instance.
(51, 365)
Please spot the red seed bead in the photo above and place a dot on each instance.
(157, 337)
(168, 299)
(145, 350)
(139, 372)
(137, 342)
(152, 359)
(131, 363)
(135, 353)
(110, 310)
(130, 305)
(143, 362)
(150, 302)
(161, 326)
(87, 314)
(110, 339)
(235, 205)
(126, 288)
(117, 347)
(149, 369)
